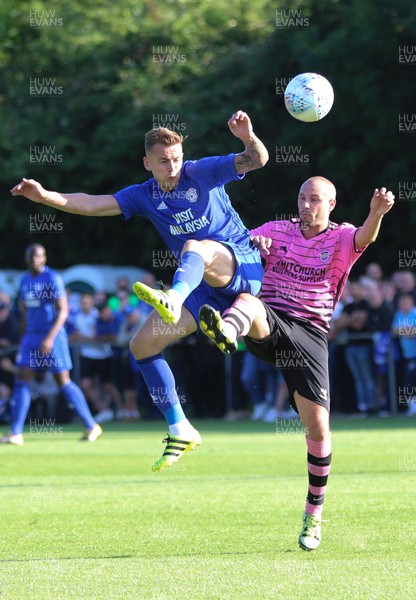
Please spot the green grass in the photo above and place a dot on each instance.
(92, 520)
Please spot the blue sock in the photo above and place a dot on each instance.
(189, 274)
(75, 398)
(161, 383)
(20, 406)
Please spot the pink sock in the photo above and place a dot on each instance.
(240, 316)
(319, 464)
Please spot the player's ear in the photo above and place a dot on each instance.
(146, 163)
(332, 204)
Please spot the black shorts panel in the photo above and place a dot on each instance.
(300, 352)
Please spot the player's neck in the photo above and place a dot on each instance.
(36, 272)
(309, 231)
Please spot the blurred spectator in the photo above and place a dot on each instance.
(9, 338)
(132, 384)
(259, 380)
(280, 402)
(368, 284)
(404, 282)
(95, 358)
(74, 308)
(123, 298)
(207, 382)
(388, 290)
(107, 328)
(342, 390)
(359, 350)
(84, 326)
(380, 318)
(404, 326)
(74, 299)
(374, 271)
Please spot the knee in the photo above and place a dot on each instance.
(317, 427)
(245, 297)
(316, 436)
(136, 348)
(318, 432)
(192, 245)
(142, 348)
(201, 248)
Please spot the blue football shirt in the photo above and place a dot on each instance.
(198, 208)
(39, 293)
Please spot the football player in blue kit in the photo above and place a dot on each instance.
(44, 345)
(187, 203)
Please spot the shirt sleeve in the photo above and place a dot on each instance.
(213, 171)
(131, 201)
(263, 230)
(349, 252)
(59, 290)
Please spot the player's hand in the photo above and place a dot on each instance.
(262, 244)
(382, 201)
(29, 188)
(46, 345)
(240, 125)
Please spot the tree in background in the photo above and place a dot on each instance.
(111, 72)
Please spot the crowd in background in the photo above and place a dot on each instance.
(372, 340)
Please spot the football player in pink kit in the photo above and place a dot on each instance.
(308, 260)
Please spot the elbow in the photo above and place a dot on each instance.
(263, 159)
(360, 244)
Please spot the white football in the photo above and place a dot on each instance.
(309, 97)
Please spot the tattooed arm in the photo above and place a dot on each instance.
(255, 154)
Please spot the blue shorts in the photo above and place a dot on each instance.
(247, 278)
(248, 270)
(31, 357)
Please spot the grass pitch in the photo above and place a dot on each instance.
(92, 521)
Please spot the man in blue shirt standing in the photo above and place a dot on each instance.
(188, 205)
(44, 346)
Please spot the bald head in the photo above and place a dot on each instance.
(323, 185)
(316, 200)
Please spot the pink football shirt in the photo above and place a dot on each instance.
(305, 278)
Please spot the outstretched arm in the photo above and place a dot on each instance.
(380, 204)
(255, 155)
(79, 204)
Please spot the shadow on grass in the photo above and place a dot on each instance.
(49, 558)
(123, 556)
(240, 426)
(338, 423)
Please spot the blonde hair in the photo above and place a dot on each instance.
(161, 135)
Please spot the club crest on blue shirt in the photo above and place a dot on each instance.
(191, 195)
(324, 256)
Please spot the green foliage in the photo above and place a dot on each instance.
(120, 66)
